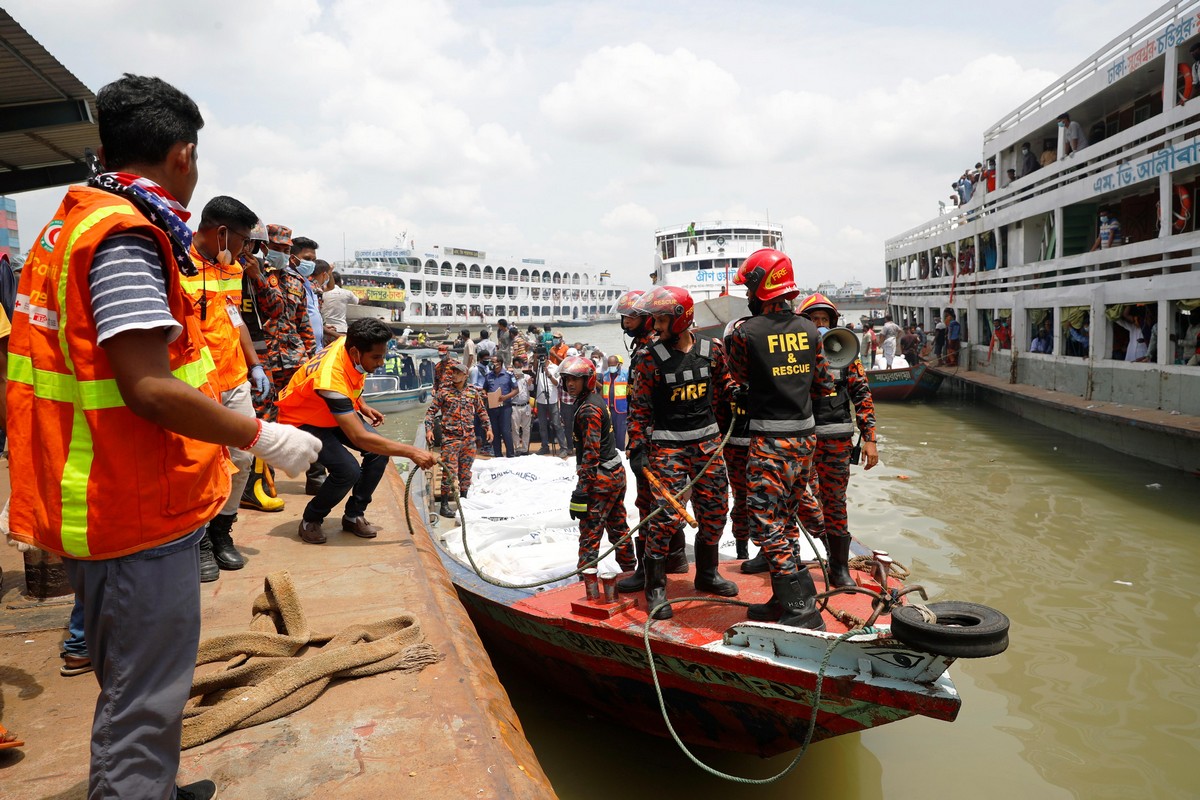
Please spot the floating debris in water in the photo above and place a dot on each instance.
(1124, 583)
(901, 477)
(1153, 485)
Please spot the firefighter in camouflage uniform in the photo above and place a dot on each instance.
(673, 432)
(836, 415)
(598, 501)
(775, 357)
(640, 329)
(459, 406)
(276, 309)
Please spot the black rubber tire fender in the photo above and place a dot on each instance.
(962, 630)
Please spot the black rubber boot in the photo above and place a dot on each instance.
(209, 571)
(769, 611)
(223, 550)
(637, 581)
(743, 549)
(838, 548)
(757, 564)
(677, 560)
(656, 586)
(444, 510)
(797, 596)
(708, 577)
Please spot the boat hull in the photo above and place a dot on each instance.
(391, 402)
(903, 383)
(727, 683)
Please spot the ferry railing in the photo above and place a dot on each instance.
(1120, 46)
(1140, 140)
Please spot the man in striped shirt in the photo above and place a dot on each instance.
(141, 611)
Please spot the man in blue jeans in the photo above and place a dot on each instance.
(324, 399)
(502, 381)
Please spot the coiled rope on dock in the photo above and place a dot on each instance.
(266, 677)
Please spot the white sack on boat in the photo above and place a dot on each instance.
(518, 527)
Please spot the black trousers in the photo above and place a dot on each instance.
(346, 476)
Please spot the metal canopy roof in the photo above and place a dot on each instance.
(46, 115)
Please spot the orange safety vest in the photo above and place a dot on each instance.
(221, 321)
(329, 370)
(91, 479)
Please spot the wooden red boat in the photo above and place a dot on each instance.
(727, 682)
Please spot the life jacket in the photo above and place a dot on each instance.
(616, 390)
(329, 370)
(220, 318)
(834, 412)
(92, 479)
(782, 350)
(682, 398)
(608, 443)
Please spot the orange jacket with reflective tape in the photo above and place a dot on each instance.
(222, 287)
(329, 370)
(91, 479)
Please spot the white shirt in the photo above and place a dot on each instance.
(547, 385)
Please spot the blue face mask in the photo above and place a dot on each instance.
(613, 370)
(822, 330)
(276, 259)
(306, 268)
(361, 370)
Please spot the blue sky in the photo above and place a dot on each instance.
(571, 130)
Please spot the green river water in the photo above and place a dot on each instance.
(1093, 556)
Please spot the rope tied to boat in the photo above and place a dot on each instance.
(265, 676)
(869, 565)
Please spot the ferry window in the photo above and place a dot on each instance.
(676, 267)
(706, 264)
(1040, 330)
(1132, 330)
(1185, 332)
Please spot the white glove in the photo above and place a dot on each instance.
(288, 448)
(258, 377)
(24, 548)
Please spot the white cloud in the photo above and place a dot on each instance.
(672, 106)
(630, 217)
(544, 130)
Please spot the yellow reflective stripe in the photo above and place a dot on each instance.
(80, 452)
(193, 285)
(94, 395)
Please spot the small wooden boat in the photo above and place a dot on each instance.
(903, 383)
(727, 682)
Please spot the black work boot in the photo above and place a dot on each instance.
(769, 611)
(223, 550)
(838, 548)
(797, 597)
(677, 560)
(743, 549)
(708, 578)
(314, 478)
(209, 571)
(757, 564)
(656, 586)
(444, 510)
(637, 581)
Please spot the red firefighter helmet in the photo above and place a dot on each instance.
(669, 301)
(578, 367)
(818, 302)
(626, 305)
(767, 274)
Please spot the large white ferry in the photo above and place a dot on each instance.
(1117, 297)
(453, 286)
(703, 257)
